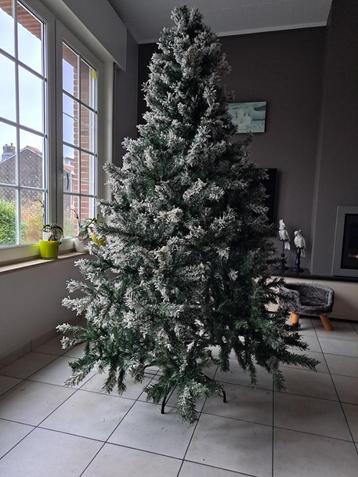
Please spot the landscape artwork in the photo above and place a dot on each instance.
(248, 117)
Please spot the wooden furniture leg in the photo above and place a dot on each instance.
(294, 317)
(327, 325)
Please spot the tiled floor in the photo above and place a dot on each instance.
(309, 430)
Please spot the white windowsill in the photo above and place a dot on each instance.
(38, 261)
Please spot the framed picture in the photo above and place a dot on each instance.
(248, 117)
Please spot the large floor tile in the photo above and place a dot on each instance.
(10, 434)
(351, 412)
(306, 383)
(52, 346)
(347, 388)
(312, 342)
(342, 330)
(243, 402)
(89, 415)
(133, 389)
(317, 416)
(190, 469)
(7, 383)
(302, 455)
(116, 461)
(57, 372)
(343, 347)
(49, 454)
(31, 402)
(27, 365)
(237, 375)
(344, 365)
(145, 428)
(233, 445)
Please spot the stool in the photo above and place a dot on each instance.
(308, 300)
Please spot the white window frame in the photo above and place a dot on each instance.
(64, 35)
(55, 34)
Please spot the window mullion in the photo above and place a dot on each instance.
(17, 112)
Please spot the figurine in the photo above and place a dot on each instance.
(300, 244)
(285, 239)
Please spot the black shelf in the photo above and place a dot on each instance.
(292, 273)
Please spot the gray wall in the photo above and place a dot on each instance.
(284, 68)
(125, 100)
(337, 174)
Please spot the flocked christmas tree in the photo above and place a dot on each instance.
(183, 280)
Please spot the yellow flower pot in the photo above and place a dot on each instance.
(49, 249)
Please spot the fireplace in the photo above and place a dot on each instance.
(345, 261)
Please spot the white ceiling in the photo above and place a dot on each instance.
(146, 18)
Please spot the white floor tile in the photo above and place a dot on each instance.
(347, 388)
(133, 389)
(237, 375)
(10, 434)
(7, 383)
(344, 365)
(305, 414)
(306, 383)
(232, 445)
(88, 415)
(190, 469)
(303, 455)
(312, 342)
(351, 412)
(145, 428)
(57, 372)
(27, 365)
(116, 461)
(243, 402)
(342, 330)
(49, 454)
(345, 348)
(52, 346)
(30, 402)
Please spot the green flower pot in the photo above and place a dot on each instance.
(48, 249)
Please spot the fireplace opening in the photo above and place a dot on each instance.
(349, 257)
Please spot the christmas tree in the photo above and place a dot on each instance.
(182, 281)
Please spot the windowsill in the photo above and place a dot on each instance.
(38, 261)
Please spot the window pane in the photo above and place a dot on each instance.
(7, 216)
(71, 169)
(88, 85)
(32, 207)
(7, 27)
(87, 208)
(31, 100)
(70, 209)
(70, 120)
(87, 174)
(8, 154)
(7, 88)
(88, 129)
(70, 70)
(30, 35)
(31, 160)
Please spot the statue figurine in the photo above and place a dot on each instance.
(285, 239)
(300, 244)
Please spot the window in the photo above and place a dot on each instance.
(79, 103)
(51, 86)
(23, 134)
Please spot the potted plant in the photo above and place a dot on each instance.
(49, 247)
